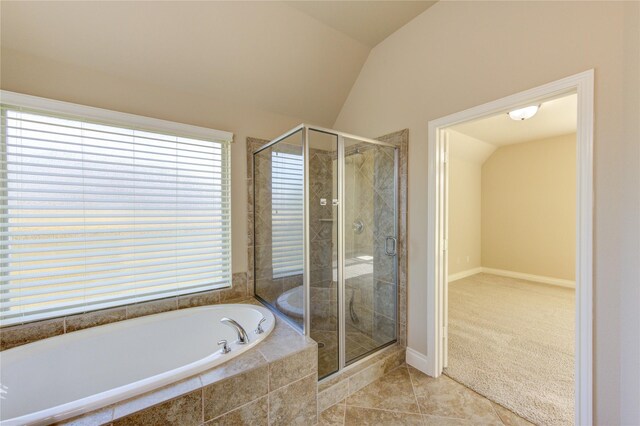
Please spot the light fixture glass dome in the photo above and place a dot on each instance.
(524, 113)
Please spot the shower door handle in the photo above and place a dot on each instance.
(394, 243)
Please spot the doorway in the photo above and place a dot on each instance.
(437, 333)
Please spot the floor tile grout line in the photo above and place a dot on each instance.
(446, 417)
(242, 406)
(202, 403)
(496, 412)
(491, 402)
(413, 389)
(382, 409)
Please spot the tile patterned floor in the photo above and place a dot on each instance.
(405, 396)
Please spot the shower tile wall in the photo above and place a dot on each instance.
(400, 140)
(359, 295)
(323, 256)
(370, 291)
(384, 270)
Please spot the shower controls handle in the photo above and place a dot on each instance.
(259, 329)
(225, 346)
(394, 243)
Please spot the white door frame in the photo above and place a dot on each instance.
(582, 84)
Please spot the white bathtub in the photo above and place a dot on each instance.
(65, 376)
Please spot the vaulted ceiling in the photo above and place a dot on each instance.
(369, 22)
(294, 59)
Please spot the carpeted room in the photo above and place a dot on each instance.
(511, 260)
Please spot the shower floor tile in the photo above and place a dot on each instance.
(357, 344)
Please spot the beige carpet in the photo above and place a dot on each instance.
(513, 341)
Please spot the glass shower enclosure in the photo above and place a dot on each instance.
(325, 224)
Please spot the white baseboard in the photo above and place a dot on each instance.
(529, 277)
(511, 274)
(465, 274)
(418, 361)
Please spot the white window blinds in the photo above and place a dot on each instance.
(96, 215)
(287, 180)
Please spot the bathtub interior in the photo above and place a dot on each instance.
(112, 359)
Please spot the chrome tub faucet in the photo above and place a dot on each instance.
(243, 337)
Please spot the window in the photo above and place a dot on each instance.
(287, 182)
(101, 209)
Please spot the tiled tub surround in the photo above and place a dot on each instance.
(274, 383)
(54, 379)
(17, 335)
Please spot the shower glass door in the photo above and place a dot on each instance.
(370, 284)
(323, 208)
(324, 240)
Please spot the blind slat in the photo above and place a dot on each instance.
(92, 252)
(120, 131)
(113, 259)
(213, 170)
(12, 166)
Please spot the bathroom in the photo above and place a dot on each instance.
(227, 212)
(280, 342)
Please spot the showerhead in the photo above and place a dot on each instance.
(357, 154)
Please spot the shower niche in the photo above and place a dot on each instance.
(325, 240)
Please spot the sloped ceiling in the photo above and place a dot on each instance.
(264, 54)
(369, 22)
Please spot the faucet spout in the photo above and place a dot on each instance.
(243, 337)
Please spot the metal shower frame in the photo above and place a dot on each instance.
(306, 328)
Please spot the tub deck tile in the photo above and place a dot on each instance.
(185, 410)
(254, 413)
(150, 308)
(102, 416)
(289, 369)
(11, 337)
(156, 396)
(227, 395)
(94, 319)
(248, 361)
(296, 403)
(284, 341)
(199, 299)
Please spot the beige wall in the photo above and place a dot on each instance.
(42, 77)
(457, 55)
(465, 194)
(528, 208)
(454, 56)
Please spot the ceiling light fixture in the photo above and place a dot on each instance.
(523, 113)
